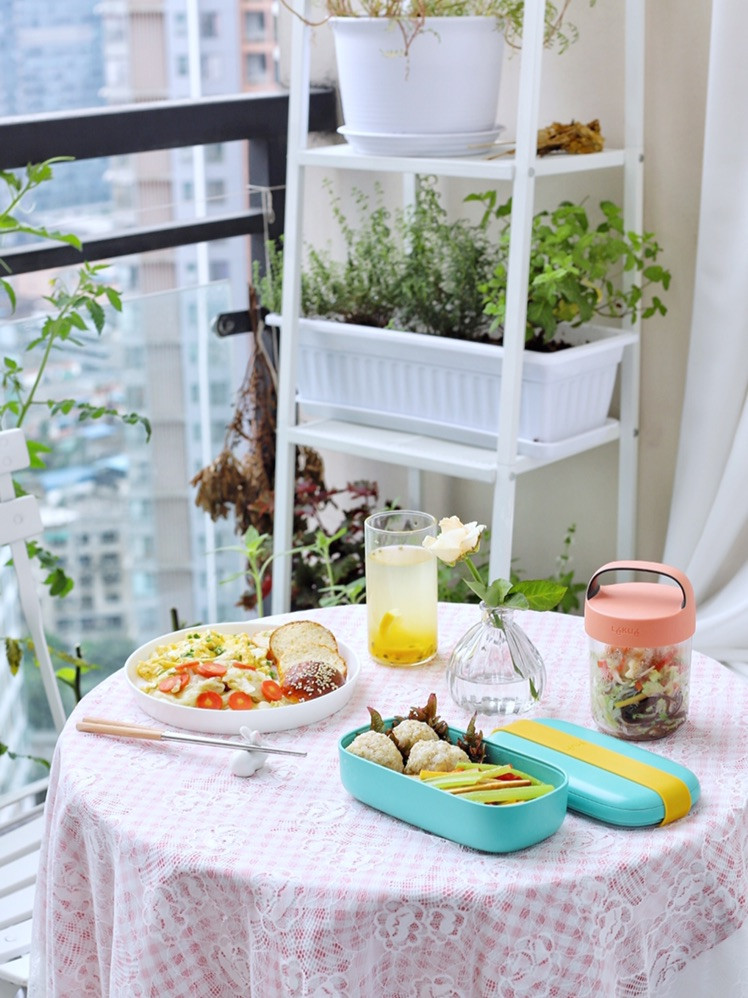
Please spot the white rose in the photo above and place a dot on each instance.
(456, 539)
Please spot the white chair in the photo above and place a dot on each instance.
(21, 811)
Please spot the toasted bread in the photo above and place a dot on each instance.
(293, 639)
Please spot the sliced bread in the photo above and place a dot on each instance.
(297, 636)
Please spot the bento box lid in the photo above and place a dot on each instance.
(609, 779)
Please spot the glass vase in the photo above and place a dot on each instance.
(495, 668)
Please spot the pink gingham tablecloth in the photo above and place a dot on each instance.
(165, 875)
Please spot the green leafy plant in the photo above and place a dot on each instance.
(457, 542)
(335, 559)
(321, 561)
(410, 269)
(415, 269)
(570, 602)
(577, 269)
(76, 305)
(444, 266)
(454, 588)
(363, 288)
(257, 550)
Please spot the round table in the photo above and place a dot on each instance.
(165, 875)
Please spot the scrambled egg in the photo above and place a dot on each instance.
(180, 672)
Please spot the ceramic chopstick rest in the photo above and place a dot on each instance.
(247, 763)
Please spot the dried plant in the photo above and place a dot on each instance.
(239, 484)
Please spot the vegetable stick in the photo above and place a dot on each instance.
(492, 785)
(504, 796)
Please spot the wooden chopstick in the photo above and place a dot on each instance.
(124, 729)
(100, 726)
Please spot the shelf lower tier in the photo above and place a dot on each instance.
(440, 456)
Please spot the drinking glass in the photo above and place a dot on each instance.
(401, 591)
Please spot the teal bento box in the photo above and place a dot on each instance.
(486, 827)
(611, 780)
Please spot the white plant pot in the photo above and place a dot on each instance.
(446, 83)
(451, 388)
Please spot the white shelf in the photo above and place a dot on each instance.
(500, 166)
(412, 450)
(518, 165)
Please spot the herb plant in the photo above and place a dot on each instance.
(577, 270)
(408, 269)
(415, 269)
(559, 32)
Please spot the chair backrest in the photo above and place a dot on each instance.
(20, 520)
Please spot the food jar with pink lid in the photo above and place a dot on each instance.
(640, 636)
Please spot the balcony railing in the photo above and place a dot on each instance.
(260, 119)
(163, 548)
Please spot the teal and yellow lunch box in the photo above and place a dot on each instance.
(487, 827)
(611, 780)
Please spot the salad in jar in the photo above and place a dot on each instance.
(639, 693)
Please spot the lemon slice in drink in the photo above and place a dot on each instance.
(387, 621)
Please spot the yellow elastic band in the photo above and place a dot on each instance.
(674, 792)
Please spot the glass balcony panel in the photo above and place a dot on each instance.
(119, 511)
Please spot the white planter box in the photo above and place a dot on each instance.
(451, 388)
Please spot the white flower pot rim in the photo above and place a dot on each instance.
(465, 19)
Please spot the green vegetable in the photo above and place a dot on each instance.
(478, 782)
(511, 794)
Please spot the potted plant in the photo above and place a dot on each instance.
(405, 330)
(423, 77)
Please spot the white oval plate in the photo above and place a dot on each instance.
(228, 722)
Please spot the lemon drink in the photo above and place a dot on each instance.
(401, 604)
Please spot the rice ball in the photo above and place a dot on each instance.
(408, 732)
(439, 756)
(378, 748)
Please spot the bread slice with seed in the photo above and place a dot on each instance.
(312, 653)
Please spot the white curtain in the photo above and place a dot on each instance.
(708, 532)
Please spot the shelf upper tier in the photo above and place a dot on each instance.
(500, 167)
